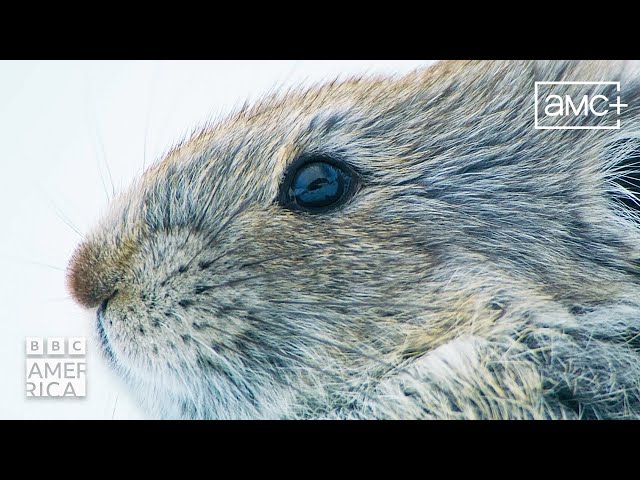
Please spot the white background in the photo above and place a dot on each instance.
(70, 132)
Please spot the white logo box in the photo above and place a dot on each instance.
(537, 125)
(56, 346)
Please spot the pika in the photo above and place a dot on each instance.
(381, 247)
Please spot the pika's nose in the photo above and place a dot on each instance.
(91, 277)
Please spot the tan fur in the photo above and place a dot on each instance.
(484, 270)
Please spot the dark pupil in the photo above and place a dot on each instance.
(318, 185)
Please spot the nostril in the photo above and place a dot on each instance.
(100, 326)
(102, 308)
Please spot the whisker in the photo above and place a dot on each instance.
(46, 265)
(106, 162)
(197, 374)
(230, 378)
(150, 89)
(91, 120)
(342, 305)
(241, 354)
(339, 346)
(101, 146)
(253, 341)
(64, 218)
(215, 235)
(205, 213)
(104, 185)
(113, 414)
(59, 299)
(289, 355)
(196, 404)
(236, 281)
(210, 262)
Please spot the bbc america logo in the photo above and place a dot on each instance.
(56, 367)
(558, 103)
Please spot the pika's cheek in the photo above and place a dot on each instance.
(128, 333)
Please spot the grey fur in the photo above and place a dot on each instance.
(484, 270)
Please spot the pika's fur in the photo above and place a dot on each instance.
(485, 269)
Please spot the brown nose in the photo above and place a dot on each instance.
(90, 276)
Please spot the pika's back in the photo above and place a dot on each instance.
(408, 247)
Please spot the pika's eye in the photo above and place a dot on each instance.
(317, 184)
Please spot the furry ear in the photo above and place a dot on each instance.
(623, 158)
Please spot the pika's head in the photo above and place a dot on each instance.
(383, 248)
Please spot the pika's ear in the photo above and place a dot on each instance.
(623, 170)
(622, 152)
